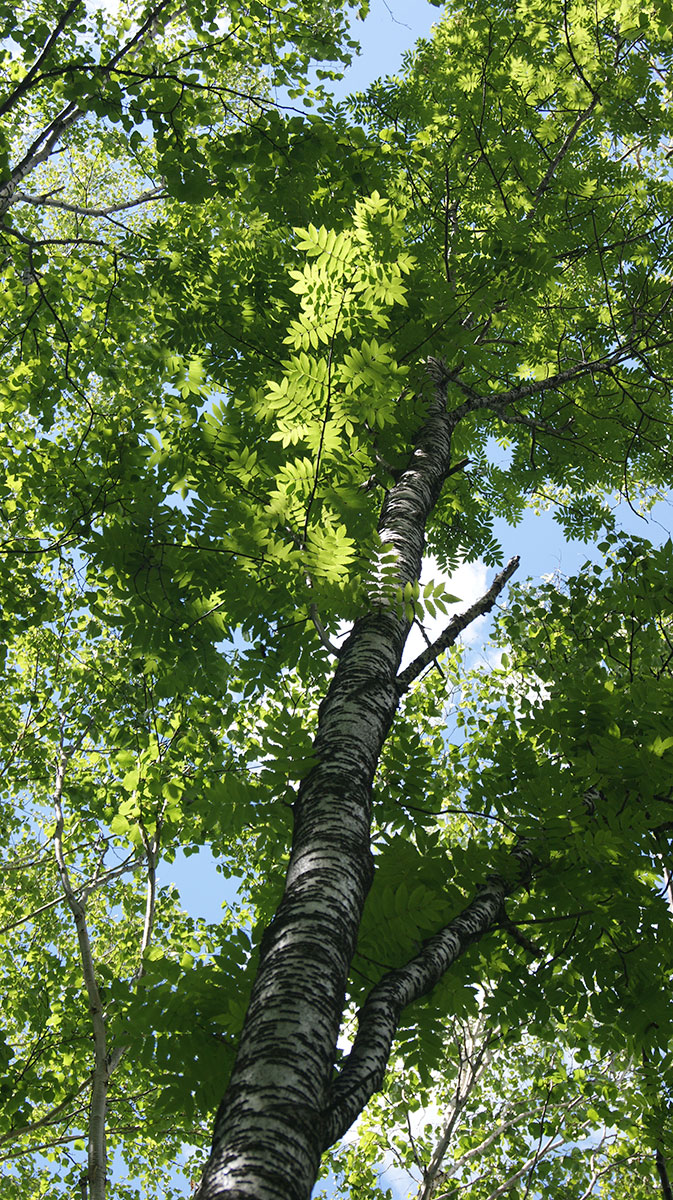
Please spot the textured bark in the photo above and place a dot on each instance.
(270, 1128)
(363, 1071)
(280, 1109)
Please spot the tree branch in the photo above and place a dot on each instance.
(46, 141)
(38, 153)
(664, 1179)
(581, 118)
(151, 847)
(363, 1071)
(509, 1119)
(84, 890)
(529, 1164)
(520, 938)
(82, 211)
(535, 387)
(322, 632)
(29, 77)
(469, 1073)
(455, 627)
(50, 1118)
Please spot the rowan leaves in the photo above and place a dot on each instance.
(225, 330)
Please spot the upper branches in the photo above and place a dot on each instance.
(45, 142)
(32, 75)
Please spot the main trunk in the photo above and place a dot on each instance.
(269, 1129)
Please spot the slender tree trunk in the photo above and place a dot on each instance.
(282, 1108)
(269, 1131)
(97, 1139)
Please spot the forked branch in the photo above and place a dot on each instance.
(364, 1069)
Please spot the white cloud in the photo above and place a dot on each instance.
(401, 1183)
(109, 6)
(469, 582)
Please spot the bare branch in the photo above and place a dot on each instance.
(82, 890)
(455, 627)
(520, 938)
(450, 225)
(588, 85)
(510, 1119)
(551, 1145)
(536, 387)
(39, 152)
(82, 211)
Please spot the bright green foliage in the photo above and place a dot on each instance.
(564, 743)
(142, 771)
(208, 393)
(573, 731)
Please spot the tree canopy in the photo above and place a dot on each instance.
(265, 358)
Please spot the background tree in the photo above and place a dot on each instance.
(490, 1123)
(224, 447)
(101, 122)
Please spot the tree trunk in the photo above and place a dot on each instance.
(269, 1130)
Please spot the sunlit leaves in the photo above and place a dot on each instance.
(209, 394)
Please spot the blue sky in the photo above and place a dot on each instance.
(390, 30)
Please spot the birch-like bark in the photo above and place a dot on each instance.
(151, 847)
(668, 887)
(280, 1109)
(80, 210)
(96, 1148)
(364, 1069)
